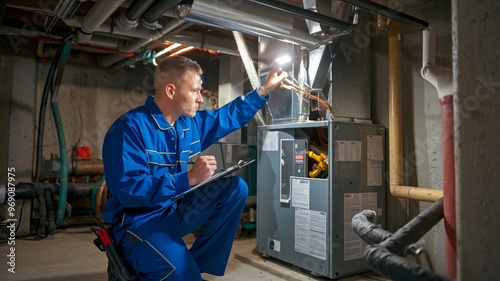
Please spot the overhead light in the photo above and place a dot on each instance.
(182, 51)
(166, 50)
(283, 59)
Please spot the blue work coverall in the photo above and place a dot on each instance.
(145, 162)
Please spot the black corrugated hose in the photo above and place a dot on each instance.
(43, 106)
(386, 251)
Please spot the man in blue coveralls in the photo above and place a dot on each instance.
(146, 154)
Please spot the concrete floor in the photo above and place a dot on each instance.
(70, 255)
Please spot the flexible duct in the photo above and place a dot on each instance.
(363, 224)
(398, 268)
(386, 252)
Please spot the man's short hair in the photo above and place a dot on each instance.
(172, 70)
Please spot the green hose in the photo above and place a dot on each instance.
(63, 173)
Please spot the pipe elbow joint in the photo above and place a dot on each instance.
(441, 79)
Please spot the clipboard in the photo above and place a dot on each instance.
(215, 177)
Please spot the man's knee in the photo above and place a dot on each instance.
(241, 187)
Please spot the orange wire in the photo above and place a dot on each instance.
(296, 87)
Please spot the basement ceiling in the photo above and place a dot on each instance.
(123, 32)
(120, 32)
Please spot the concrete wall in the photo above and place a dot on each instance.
(476, 65)
(89, 100)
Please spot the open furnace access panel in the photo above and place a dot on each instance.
(304, 213)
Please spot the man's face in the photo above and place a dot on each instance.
(188, 94)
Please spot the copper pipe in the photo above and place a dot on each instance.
(101, 199)
(88, 167)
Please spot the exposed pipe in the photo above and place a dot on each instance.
(88, 167)
(97, 15)
(108, 28)
(128, 21)
(442, 79)
(25, 190)
(382, 10)
(173, 26)
(396, 184)
(150, 17)
(306, 14)
(97, 43)
(137, 8)
(385, 253)
(101, 198)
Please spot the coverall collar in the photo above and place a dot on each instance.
(159, 118)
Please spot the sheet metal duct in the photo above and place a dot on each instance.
(250, 18)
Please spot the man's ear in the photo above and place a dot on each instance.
(170, 90)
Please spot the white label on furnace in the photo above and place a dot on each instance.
(270, 142)
(374, 156)
(300, 193)
(347, 150)
(310, 233)
(353, 204)
(374, 173)
(375, 148)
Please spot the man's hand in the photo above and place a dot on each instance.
(273, 79)
(203, 168)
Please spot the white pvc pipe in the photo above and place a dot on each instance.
(429, 46)
(442, 79)
(97, 15)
